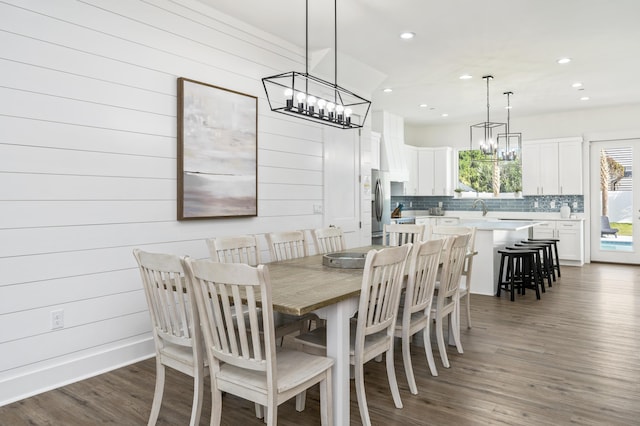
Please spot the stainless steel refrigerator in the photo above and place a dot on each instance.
(380, 204)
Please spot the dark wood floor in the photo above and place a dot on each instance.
(571, 358)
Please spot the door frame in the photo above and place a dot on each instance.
(596, 143)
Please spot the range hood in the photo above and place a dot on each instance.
(392, 155)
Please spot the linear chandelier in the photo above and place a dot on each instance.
(302, 95)
(512, 142)
(482, 135)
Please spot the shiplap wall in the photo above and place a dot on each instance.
(88, 170)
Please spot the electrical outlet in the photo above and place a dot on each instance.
(575, 204)
(440, 204)
(552, 205)
(535, 204)
(410, 203)
(317, 209)
(57, 319)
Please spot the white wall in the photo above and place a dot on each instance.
(584, 122)
(88, 170)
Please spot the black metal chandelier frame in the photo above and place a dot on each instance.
(302, 95)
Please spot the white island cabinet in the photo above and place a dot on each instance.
(491, 237)
(569, 232)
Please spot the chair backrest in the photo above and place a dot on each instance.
(424, 262)
(237, 329)
(448, 230)
(604, 222)
(174, 316)
(236, 249)
(397, 234)
(382, 281)
(287, 245)
(328, 240)
(455, 251)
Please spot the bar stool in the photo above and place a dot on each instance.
(518, 271)
(555, 259)
(545, 267)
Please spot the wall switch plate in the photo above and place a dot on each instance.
(317, 209)
(440, 204)
(410, 203)
(57, 319)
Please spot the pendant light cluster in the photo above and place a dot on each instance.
(305, 96)
(494, 139)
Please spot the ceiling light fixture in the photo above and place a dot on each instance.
(298, 94)
(576, 84)
(481, 134)
(512, 142)
(465, 77)
(423, 105)
(388, 90)
(407, 35)
(564, 60)
(584, 98)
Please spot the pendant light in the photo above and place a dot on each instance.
(512, 142)
(483, 136)
(305, 96)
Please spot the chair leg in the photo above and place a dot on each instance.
(326, 403)
(426, 333)
(408, 368)
(216, 406)
(198, 392)
(454, 326)
(391, 375)
(468, 303)
(259, 411)
(301, 400)
(272, 414)
(157, 395)
(362, 398)
(442, 347)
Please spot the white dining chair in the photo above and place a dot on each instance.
(465, 278)
(175, 326)
(242, 354)
(397, 234)
(235, 249)
(448, 288)
(328, 240)
(372, 332)
(287, 245)
(414, 314)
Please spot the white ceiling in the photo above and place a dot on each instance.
(516, 41)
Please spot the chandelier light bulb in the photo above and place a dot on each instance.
(288, 94)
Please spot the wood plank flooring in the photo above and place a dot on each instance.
(571, 358)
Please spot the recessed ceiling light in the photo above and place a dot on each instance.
(584, 98)
(407, 35)
(508, 107)
(445, 115)
(423, 105)
(465, 77)
(564, 60)
(388, 90)
(576, 84)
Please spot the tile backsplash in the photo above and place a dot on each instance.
(524, 204)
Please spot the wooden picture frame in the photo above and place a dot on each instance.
(217, 152)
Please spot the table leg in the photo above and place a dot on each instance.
(338, 316)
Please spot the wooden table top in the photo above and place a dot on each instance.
(299, 286)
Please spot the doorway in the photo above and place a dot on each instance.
(615, 212)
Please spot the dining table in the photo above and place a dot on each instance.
(305, 285)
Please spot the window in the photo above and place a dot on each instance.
(476, 174)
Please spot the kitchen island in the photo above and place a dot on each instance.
(491, 236)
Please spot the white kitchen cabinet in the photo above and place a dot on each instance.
(570, 234)
(375, 150)
(411, 156)
(552, 167)
(435, 171)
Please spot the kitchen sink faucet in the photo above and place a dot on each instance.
(484, 205)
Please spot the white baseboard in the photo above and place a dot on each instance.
(38, 381)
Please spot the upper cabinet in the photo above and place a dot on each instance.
(392, 155)
(375, 150)
(435, 171)
(552, 167)
(411, 157)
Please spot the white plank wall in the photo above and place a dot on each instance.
(88, 170)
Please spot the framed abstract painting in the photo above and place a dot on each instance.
(217, 152)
